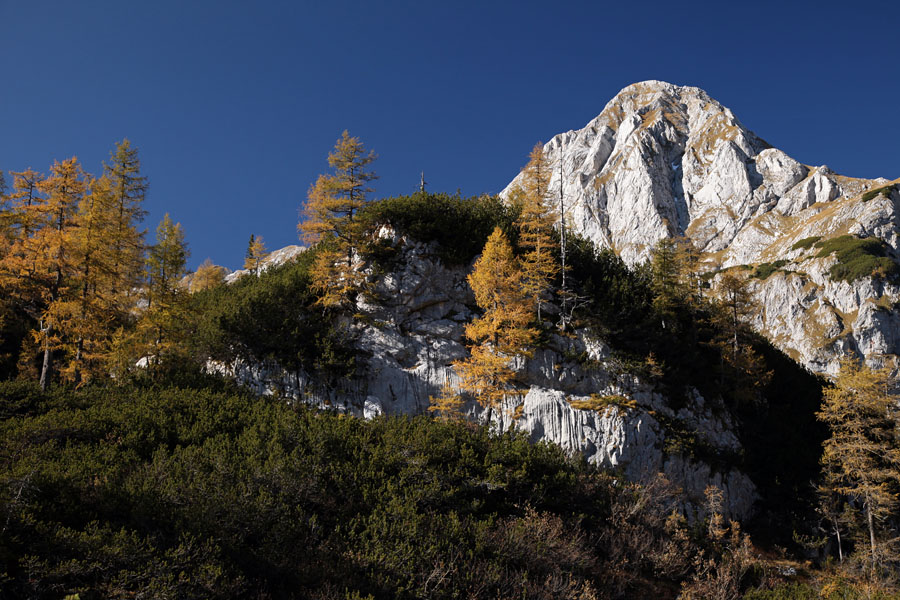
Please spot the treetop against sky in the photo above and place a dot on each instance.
(235, 106)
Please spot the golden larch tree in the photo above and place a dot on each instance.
(861, 458)
(207, 277)
(162, 321)
(256, 253)
(535, 223)
(84, 317)
(504, 330)
(50, 251)
(52, 246)
(333, 202)
(127, 190)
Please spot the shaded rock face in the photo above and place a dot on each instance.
(411, 330)
(664, 161)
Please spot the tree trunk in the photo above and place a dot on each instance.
(48, 361)
(871, 534)
(837, 534)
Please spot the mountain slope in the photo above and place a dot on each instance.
(666, 161)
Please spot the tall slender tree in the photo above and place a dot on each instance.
(160, 325)
(83, 318)
(861, 458)
(535, 224)
(329, 216)
(127, 190)
(52, 244)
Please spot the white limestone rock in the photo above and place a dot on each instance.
(412, 330)
(272, 259)
(663, 160)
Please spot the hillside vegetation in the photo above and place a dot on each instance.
(128, 470)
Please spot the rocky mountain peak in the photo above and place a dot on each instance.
(663, 160)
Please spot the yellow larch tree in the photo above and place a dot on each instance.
(51, 247)
(504, 331)
(159, 326)
(333, 202)
(83, 318)
(256, 252)
(535, 223)
(861, 458)
(22, 267)
(127, 190)
(207, 277)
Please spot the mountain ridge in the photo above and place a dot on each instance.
(663, 161)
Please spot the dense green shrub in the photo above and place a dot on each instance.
(763, 270)
(882, 191)
(806, 243)
(460, 226)
(858, 257)
(272, 317)
(194, 494)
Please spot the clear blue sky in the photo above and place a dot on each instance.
(234, 106)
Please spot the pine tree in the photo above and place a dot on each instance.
(256, 252)
(535, 224)
(503, 331)
(861, 458)
(329, 217)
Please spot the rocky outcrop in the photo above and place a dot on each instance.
(272, 259)
(663, 161)
(409, 331)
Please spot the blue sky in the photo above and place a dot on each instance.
(234, 106)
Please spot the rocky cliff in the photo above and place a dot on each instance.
(665, 161)
(409, 331)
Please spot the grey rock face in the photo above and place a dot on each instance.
(410, 333)
(664, 161)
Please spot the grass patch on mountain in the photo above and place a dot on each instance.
(858, 258)
(601, 402)
(882, 191)
(806, 243)
(764, 270)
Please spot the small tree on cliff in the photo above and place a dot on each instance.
(333, 202)
(503, 331)
(539, 266)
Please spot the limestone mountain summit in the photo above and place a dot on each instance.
(664, 161)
